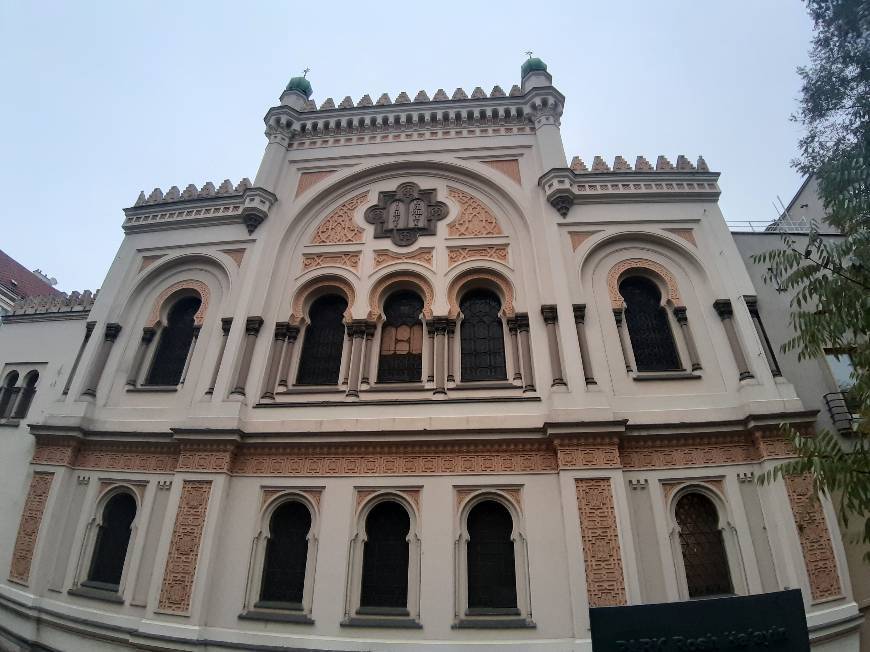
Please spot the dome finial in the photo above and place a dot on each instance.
(305, 73)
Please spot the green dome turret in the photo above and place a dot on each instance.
(300, 84)
(532, 64)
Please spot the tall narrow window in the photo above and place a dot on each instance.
(174, 345)
(25, 397)
(286, 555)
(7, 394)
(481, 337)
(323, 342)
(651, 339)
(113, 537)
(492, 582)
(385, 557)
(401, 358)
(704, 556)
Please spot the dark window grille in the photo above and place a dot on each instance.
(8, 394)
(320, 361)
(481, 337)
(113, 537)
(385, 557)
(648, 327)
(286, 554)
(703, 548)
(492, 579)
(174, 345)
(401, 356)
(22, 405)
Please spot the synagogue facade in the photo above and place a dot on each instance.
(420, 382)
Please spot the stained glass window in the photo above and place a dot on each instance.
(401, 356)
(385, 557)
(286, 555)
(320, 361)
(491, 572)
(113, 537)
(704, 556)
(174, 344)
(651, 339)
(481, 337)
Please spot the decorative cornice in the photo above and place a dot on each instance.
(52, 307)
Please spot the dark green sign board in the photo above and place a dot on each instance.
(770, 622)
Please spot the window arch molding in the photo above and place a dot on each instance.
(730, 540)
(259, 550)
(366, 503)
(9, 393)
(480, 278)
(394, 281)
(313, 289)
(650, 269)
(91, 536)
(25, 395)
(172, 294)
(509, 500)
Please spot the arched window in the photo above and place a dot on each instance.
(323, 342)
(481, 337)
(7, 394)
(703, 548)
(651, 339)
(174, 346)
(113, 537)
(492, 582)
(385, 557)
(286, 555)
(25, 397)
(401, 357)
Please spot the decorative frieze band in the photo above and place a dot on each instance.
(347, 259)
(602, 556)
(28, 527)
(384, 257)
(456, 255)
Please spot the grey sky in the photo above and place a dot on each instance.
(104, 100)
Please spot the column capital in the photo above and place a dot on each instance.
(550, 313)
(752, 304)
(292, 332)
(281, 329)
(253, 325)
(617, 315)
(89, 328)
(226, 324)
(439, 324)
(680, 314)
(723, 308)
(357, 328)
(579, 313)
(112, 331)
(522, 320)
(148, 333)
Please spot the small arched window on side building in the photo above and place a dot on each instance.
(284, 566)
(322, 344)
(649, 330)
(112, 541)
(25, 396)
(703, 547)
(401, 355)
(174, 346)
(481, 337)
(492, 582)
(8, 394)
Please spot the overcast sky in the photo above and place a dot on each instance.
(103, 100)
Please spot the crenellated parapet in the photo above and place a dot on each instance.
(602, 183)
(205, 206)
(75, 305)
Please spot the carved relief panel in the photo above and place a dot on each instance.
(405, 214)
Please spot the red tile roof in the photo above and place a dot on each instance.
(27, 284)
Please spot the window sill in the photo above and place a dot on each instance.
(153, 388)
(485, 384)
(512, 622)
(106, 595)
(11, 423)
(311, 389)
(277, 616)
(395, 387)
(665, 375)
(386, 622)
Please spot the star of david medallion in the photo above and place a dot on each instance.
(405, 214)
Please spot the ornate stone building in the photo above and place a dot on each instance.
(421, 382)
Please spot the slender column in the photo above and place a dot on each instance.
(683, 321)
(623, 337)
(525, 352)
(89, 328)
(580, 325)
(430, 330)
(515, 352)
(109, 337)
(440, 329)
(252, 328)
(148, 333)
(367, 352)
(451, 347)
(752, 304)
(551, 317)
(196, 329)
(226, 324)
(287, 357)
(357, 330)
(275, 360)
(726, 314)
(345, 363)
